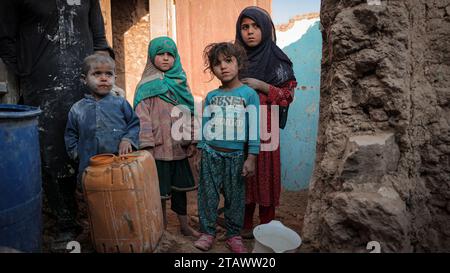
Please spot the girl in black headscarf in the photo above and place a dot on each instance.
(270, 73)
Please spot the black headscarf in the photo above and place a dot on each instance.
(267, 62)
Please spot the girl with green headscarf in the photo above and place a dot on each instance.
(162, 88)
(171, 85)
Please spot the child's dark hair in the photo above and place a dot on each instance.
(213, 51)
(96, 58)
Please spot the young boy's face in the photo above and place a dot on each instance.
(226, 69)
(164, 61)
(100, 79)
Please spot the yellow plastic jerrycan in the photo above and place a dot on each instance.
(124, 204)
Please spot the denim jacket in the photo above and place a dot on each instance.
(97, 127)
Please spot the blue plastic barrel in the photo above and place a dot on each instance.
(20, 178)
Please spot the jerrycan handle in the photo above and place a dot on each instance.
(108, 159)
(126, 158)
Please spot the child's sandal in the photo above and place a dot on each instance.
(205, 242)
(236, 245)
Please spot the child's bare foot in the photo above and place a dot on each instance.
(189, 231)
(185, 228)
(163, 204)
(247, 233)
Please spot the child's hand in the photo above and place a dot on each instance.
(249, 166)
(198, 161)
(256, 84)
(191, 149)
(125, 147)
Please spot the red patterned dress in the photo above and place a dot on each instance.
(264, 188)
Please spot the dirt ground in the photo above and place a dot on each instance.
(290, 213)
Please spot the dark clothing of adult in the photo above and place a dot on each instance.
(44, 42)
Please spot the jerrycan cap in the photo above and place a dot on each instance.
(102, 159)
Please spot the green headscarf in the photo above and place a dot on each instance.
(170, 86)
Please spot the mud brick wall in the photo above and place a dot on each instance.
(383, 165)
(131, 36)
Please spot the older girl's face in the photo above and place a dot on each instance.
(164, 61)
(250, 32)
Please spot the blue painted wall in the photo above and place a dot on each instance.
(298, 139)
